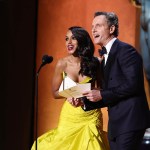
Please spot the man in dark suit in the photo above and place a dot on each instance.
(123, 86)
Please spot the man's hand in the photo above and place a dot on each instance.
(93, 95)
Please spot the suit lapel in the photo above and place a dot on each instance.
(110, 61)
(107, 68)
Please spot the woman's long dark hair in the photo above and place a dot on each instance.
(85, 50)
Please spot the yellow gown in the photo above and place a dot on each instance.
(77, 130)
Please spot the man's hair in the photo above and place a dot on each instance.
(112, 19)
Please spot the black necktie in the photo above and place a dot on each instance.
(102, 51)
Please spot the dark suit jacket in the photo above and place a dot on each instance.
(123, 91)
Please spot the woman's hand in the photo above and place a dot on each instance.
(76, 102)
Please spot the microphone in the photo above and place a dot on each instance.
(45, 60)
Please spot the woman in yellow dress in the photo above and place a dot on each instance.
(77, 129)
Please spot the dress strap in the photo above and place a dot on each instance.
(86, 80)
(64, 74)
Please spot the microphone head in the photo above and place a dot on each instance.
(47, 59)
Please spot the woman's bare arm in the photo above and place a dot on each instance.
(58, 77)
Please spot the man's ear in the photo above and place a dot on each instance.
(112, 29)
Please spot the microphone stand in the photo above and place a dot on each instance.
(36, 106)
(45, 60)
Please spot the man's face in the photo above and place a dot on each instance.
(100, 30)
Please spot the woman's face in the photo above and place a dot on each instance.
(71, 42)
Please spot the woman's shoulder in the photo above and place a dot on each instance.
(62, 63)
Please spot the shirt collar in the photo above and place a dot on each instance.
(109, 45)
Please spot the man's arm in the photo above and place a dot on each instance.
(89, 105)
(131, 66)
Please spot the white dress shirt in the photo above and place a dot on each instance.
(108, 47)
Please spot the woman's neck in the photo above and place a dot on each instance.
(75, 59)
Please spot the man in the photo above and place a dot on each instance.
(123, 86)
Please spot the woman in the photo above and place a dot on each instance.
(77, 129)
